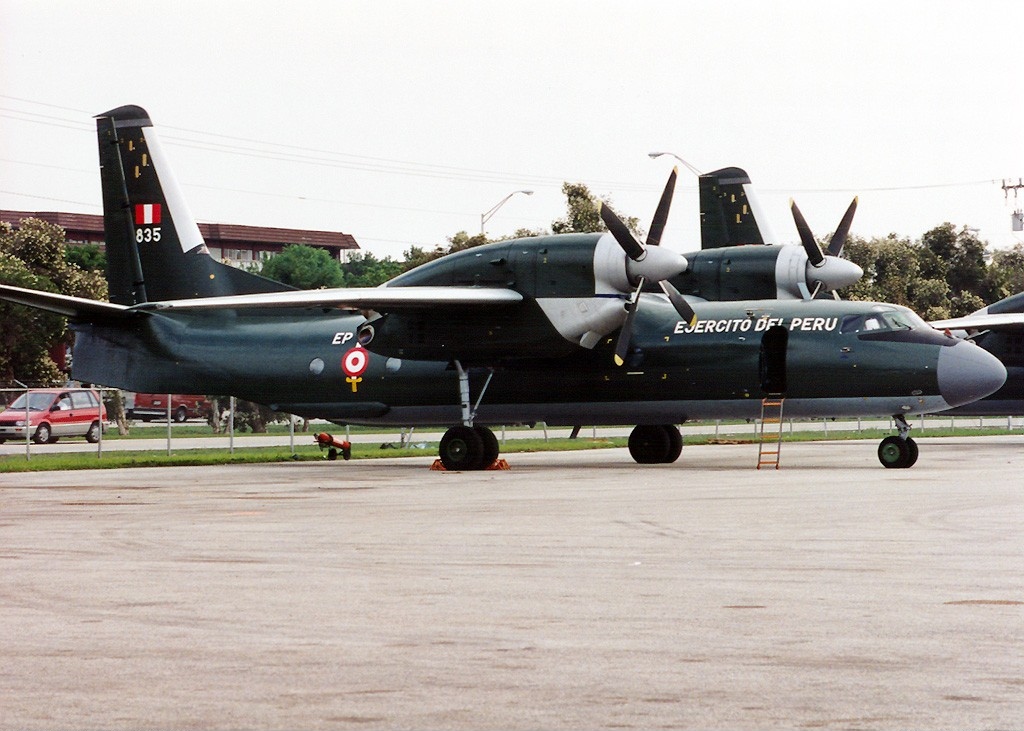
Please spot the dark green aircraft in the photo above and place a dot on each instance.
(999, 329)
(558, 329)
(734, 233)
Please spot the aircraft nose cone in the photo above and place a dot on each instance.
(834, 273)
(967, 373)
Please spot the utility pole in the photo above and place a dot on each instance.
(1017, 217)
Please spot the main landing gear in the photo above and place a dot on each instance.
(898, 452)
(655, 444)
(468, 447)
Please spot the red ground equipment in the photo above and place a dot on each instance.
(333, 446)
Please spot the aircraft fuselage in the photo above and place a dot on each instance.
(816, 353)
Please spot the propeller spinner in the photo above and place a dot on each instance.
(648, 262)
(828, 272)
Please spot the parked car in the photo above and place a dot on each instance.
(150, 406)
(54, 413)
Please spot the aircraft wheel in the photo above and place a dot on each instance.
(332, 454)
(895, 453)
(914, 450)
(490, 446)
(649, 444)
(462, 448)
(675, 443)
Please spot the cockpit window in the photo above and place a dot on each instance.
(862, 323)
(896, 321)
(883, 321)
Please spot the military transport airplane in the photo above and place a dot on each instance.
(999, 329)
(556, 329)
(731, 217)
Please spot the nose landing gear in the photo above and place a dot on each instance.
(898, 452)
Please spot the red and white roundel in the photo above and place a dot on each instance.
(354, 362)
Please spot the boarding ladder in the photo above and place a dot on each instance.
(769, 446)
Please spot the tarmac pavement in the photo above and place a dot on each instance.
(576, 590)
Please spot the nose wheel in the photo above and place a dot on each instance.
(898, 451)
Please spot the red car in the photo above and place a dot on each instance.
(150, 406)
(52, 414)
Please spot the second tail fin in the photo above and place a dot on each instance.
(730, 211)
(155, 251)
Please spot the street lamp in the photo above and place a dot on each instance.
(485, 217)
(689, 167)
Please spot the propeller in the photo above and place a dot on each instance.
(838, 240)
(648, 262)
(827, 271)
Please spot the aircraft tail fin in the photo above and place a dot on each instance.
(155, 250)
(730, 211)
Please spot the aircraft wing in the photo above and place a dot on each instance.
(355, 298)
(999, 321)
(75, 307)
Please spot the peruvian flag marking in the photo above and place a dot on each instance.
(147, 214)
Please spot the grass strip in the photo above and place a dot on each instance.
(115, 459)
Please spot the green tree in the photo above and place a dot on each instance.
(963, 304)
(416, 255)
(87, 257)
(968, 270)
(1007, 270)
(583, 213)
(940, 245)
(27, 335)
(462, 241)
(363, 269)
(890, 268)
(34, 256)
(304, 267)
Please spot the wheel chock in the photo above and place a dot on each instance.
(498, 464)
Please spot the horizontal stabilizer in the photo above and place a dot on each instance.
(76, 308)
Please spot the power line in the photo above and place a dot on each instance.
(283, 152)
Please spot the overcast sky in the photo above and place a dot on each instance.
(401, 122)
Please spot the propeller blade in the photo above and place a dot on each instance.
(661, 214)
(679, 302)
(835, 245)
(626, 333)
(633, 248)
(814, 254)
